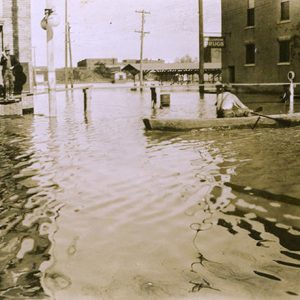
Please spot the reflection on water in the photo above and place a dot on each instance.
(257, 234)
(94, 207)
(28, 211)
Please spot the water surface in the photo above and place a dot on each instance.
(94, 207)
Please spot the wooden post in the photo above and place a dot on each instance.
(70, 55)
(201, 50)
(143, 33)
(86, 99)
(66, 44)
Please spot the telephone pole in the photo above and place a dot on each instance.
(66, 43)
(143, 33)
(201, 50)
(70, 55)
(34, 67)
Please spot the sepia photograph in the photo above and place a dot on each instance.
(149, 149)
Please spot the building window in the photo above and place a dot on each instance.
(285, 10)
(250, 54)
(250, 13)
(284, 51)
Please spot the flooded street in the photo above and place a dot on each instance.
(95, 207)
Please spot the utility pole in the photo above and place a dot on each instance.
(70, 55)
(34, 67)
(143, 33)
(201, 50)
(66, 44)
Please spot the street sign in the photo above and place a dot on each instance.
(216, 42)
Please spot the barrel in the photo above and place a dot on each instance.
(164, 99)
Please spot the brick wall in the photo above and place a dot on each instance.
(265, 34)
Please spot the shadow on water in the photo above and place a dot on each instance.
(245, 237)
(263, 227)
(27, 211)
(269, 216)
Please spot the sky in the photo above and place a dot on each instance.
(106, 28)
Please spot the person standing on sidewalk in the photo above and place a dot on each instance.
(8, 63)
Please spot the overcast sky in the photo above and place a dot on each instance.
(106, 28)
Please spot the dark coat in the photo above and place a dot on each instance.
(20, 79)
(153, 94)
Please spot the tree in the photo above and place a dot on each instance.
(186, 59)
(102, 70)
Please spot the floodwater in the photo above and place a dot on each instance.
(94, 207)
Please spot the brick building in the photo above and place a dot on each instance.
(262, 40)
(91, 63)
(15, 31)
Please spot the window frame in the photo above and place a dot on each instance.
(250, 54)
(251, 13)
(284, 57)
(285, 10)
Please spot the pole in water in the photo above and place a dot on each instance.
(201, 50)
(86, 99)
(143, 33)
(66, 44)
(291, 76)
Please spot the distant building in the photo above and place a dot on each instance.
(174, 71)
(262, 40)
(119, 75)
(15, 31)
(91, 63)
(137, 61)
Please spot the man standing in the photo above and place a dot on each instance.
(153, 96)
(8, 63)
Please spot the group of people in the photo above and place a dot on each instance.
(12, 75)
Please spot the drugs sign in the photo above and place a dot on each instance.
(216, 42)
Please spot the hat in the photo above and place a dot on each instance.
(6, 48)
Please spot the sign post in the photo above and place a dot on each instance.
(49, 21)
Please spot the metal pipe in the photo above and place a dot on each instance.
(291, 76)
